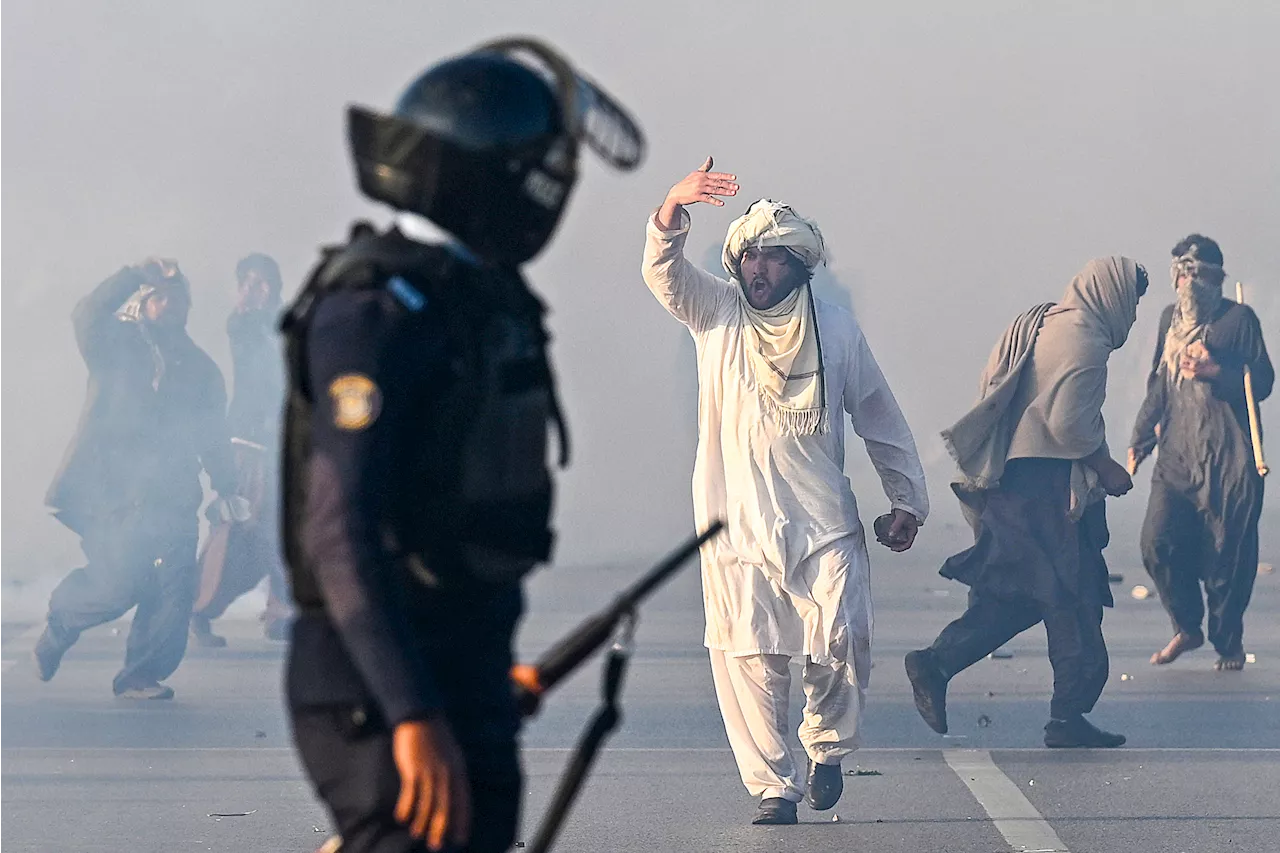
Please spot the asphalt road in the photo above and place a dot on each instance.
(85, 772)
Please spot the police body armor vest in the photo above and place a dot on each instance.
(480, 505)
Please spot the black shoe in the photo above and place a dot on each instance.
(47, 655)
(146, 692)
(825, 785)
(929, 687)
(1079, 732)
(202, 634)
(775, 811)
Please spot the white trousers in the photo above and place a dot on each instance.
(754, 690)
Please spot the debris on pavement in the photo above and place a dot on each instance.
(259, 733)
(1265, 568)
(1140, 592)
(232, 814)
(984, 721)
(1126, 677)
(1000, 654)
(858, 771)
(1115, 577)
(1250, 657)
(835, 818)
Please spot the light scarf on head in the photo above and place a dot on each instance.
(1198, 301)
(782, 345)
(1043, 388)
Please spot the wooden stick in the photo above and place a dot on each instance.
(1255, 428)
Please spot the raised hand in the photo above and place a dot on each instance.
(700, 185)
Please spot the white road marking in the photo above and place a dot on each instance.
(1014, 817)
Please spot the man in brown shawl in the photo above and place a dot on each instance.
(1206, 490)
(1034, 470)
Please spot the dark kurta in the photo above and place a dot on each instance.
(1026, 544)
(1206, 494)
(238, 554)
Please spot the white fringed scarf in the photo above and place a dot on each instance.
(782, 344)
(1198, 301)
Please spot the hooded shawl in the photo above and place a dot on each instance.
(1042, 391)
(782, 344)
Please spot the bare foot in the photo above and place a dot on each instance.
(1180, 643)
(1230, 663)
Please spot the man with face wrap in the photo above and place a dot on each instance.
(238, 554)
(791, 579)
(154, 415)
(1206, 492)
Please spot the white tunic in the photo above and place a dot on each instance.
(785, 498)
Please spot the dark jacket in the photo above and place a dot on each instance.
(140, 443)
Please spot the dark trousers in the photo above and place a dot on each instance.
(347, 755)
(133, 560)
(1077, 650)
(233, 564)
(1184, 546)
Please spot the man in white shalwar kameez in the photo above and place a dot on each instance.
(791, 576)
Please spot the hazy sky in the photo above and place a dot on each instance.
(963, 165)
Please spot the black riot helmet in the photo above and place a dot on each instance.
(485, 145)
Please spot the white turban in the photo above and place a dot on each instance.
(781, 343)
(771, 223)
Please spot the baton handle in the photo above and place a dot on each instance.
(533, 680)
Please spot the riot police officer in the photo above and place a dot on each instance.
(416, 487)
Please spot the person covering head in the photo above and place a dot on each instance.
(1197, 275)
(1055, 410)
(1034, 445)
(160, 277)
(783, 346)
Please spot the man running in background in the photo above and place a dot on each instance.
(1206, 492)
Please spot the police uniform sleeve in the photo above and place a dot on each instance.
(361, 431)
